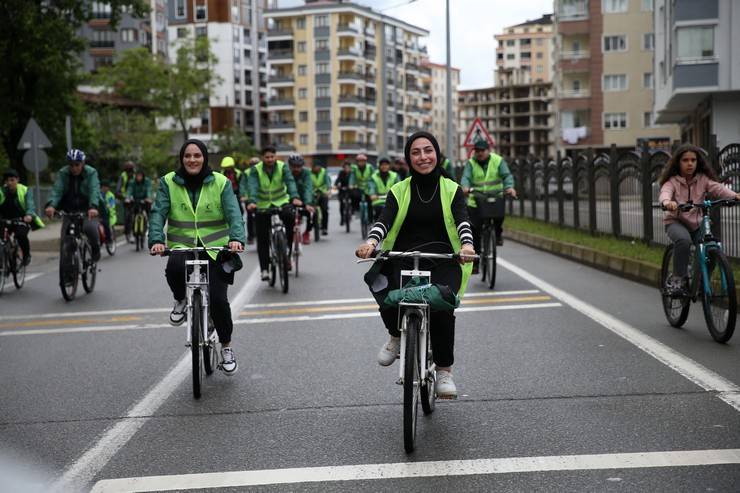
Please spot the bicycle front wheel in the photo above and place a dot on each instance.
(491, 259)
(283, 260)
(4, 270)
(428, 396)
(317, 219)
(719, 300)
(209, 349)
(110, 244)
(196, 341)
(69, 268)
(19, 268)
(296, 250)
(89, 269)
(411, 384)
(364, 221)
(676, 309)
(485, 248)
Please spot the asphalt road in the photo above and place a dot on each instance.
(570, 380)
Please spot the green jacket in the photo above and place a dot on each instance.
(304, 184)
(90, 186)
(503, 171)
(161, 211)
(253, 184)
(244, 184)
(139, 191)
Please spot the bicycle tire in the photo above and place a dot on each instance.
(720, 305)
(3, 267)
(296, 249)
(317, 224)
(347, 215)
(428, 395)
(676, 309)
(69, 268)
(19, 269)
(410, 384)
(195, 342)
(110, 245)
(364, 221)
(89, 269)
(282, 261)
(491, 259)
(484, 248)
(209, 350)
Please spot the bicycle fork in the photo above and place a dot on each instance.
(196, 281)
(422, 342)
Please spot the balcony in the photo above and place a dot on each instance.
(351, 122)
(323, 125)
(322, 55)
(280, 33)
(413, 109)
(275, 103)
(370, 54)
(351, 98)
(280, 55)
(322, 78)
(581, 93)
(281, 79)
(351, 29)
(351, 145)
(284, 147)
(352, 77)
(348, 53)
(370, 78)
(412, 67)
(321, 32)
(324, 147)
(281, 126)
(102, 44)
(577, 11)
(574, 55)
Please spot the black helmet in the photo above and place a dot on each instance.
(296, 160)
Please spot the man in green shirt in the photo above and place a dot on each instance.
(321, 190)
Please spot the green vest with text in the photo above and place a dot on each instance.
(487, 181)
(319, 181)
(205, 224)
(381, 188)
(402, 192)
(272, 192)
(22, 190)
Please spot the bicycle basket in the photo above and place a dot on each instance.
(490, 206)
(438, 297)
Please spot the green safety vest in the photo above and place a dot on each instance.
(272, 192)
(448, 188)
(362, 177)
(206, 224)
(488, 181)
(383, 188)
(124, 183)
(447, 166)
(21, 190)
(319, 181)
(110, 203)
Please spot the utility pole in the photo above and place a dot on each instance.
(449, 151)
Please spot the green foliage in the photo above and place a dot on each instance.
(235, 143)
(38, 46)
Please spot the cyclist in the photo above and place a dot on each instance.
(401, 168)
(342, 184)
(17, 203)
(686, 177)
(244, 192)
(358, 180)
(191, 195)
(425, 212)
(77, 189)
(271, 185)
(447, 166)
(304, 184)
(126, 176)
(321, 188)
(140, 189)
(230, 171)
(108, 215)
(380, 184)
(487, 172)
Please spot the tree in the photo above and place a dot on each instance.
(235, 143)
(39, 46)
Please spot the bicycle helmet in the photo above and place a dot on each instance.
(296, 160)
(75, 155)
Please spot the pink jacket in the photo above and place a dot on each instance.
(677, 190)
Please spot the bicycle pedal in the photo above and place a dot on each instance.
(399, 381)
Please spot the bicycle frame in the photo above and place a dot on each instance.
(195, 281)
(276, 225)
(706, 242)
(421, 310)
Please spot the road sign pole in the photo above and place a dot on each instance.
(35, 151)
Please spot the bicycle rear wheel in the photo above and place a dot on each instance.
(209, 349)
(720, 303)
(196, 342)
(491, 259)
(110, 244)
(428, 396)
(411, 384)
(297, 245)
(347, 214)
(485, 247)
(69, 268)
(364, 220)
(4, 270)
(676, 309)
(89, 269)
(19, 268)
(317, 224)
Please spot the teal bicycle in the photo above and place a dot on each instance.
(710, 279)
(364, 217)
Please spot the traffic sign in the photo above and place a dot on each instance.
(33, 136)
(477, 132)
(41, 162)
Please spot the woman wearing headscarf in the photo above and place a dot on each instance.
(425, 212)
(201, 210)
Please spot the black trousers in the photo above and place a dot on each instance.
(220, 309)
(323, 203)
(377, 210)
(287, 214)
(21, 236)
(441, 323)
(476, 223)
(250, 225)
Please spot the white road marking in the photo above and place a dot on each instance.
(685, 366)
(256, 321)
(365, 472)
(31, 277)
(84, 469)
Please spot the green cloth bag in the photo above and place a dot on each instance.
(439, 298)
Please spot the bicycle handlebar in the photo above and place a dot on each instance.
(707, 204)
(173, 251)
(13, 222)
(388, 254)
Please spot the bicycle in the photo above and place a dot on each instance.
(417, 371)
(11, 256)
(75, 257)
(490, 207)
(318, 216)
(279, 258)
(345, 206)
(110, 243)
(139, 223)
(364, 216)
(710, 272)
(297, 239)
(201, 336)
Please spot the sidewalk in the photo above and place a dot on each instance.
(47, 239)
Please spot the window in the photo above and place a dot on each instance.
(102, 39)
(323, 92)
(302, 69)
(303, 139)
(615, 82)
(128, 35)
(238, 97)
(615, 43)
(236, 32)
(302, 93)
(695, 42)
(303, 116)
(614, 6)
(576, 85)
(102, 61)
(322, 68)
(539, 54)
(237, 76)
(182, 32)
(647, 80)
(300, 23)
(647, 5)
(321, 20)
(301, 46)
(540, 69)
(237, 54)
(201, 12)
(179, 9)
(647, 119)
(615, 120)
(238, 118)
(201, 32)
(510, 56)
(510, 42)
(235, 13)
(526, 55)
(323, 115)
(324, 139)
(648, 41)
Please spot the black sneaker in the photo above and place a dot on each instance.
(27, 260)
(228, 361)
(324, 232)
(676, 286)
(178, 314)
(499, 241)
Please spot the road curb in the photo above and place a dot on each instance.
(628, 268)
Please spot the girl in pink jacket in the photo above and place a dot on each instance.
(686, 177)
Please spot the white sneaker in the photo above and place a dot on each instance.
(228, 361)
(445, 386)
(265, 275)
(389, 352)
(178, 313)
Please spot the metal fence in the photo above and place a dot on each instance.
(614, 193)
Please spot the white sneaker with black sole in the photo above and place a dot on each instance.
(389, 352)
(178, 313)
(265, 275)
(445, 386)
(228, 361)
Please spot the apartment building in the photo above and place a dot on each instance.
(524, 52)
(343, 79)
(604, 75)
(697, 69)
(131, 32)
(435, 90)
(237, 35)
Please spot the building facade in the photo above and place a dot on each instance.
(436, 87)
(604, 75)
(524, 53)
(343, 79)
(237, 36)
(697, 67)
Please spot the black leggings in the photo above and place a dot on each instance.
(217, 287)
(21, 236)
(323, 202)
(262, 225)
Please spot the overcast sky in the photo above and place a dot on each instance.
(473, 24)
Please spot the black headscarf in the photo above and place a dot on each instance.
(193, 182)
(432, 177)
